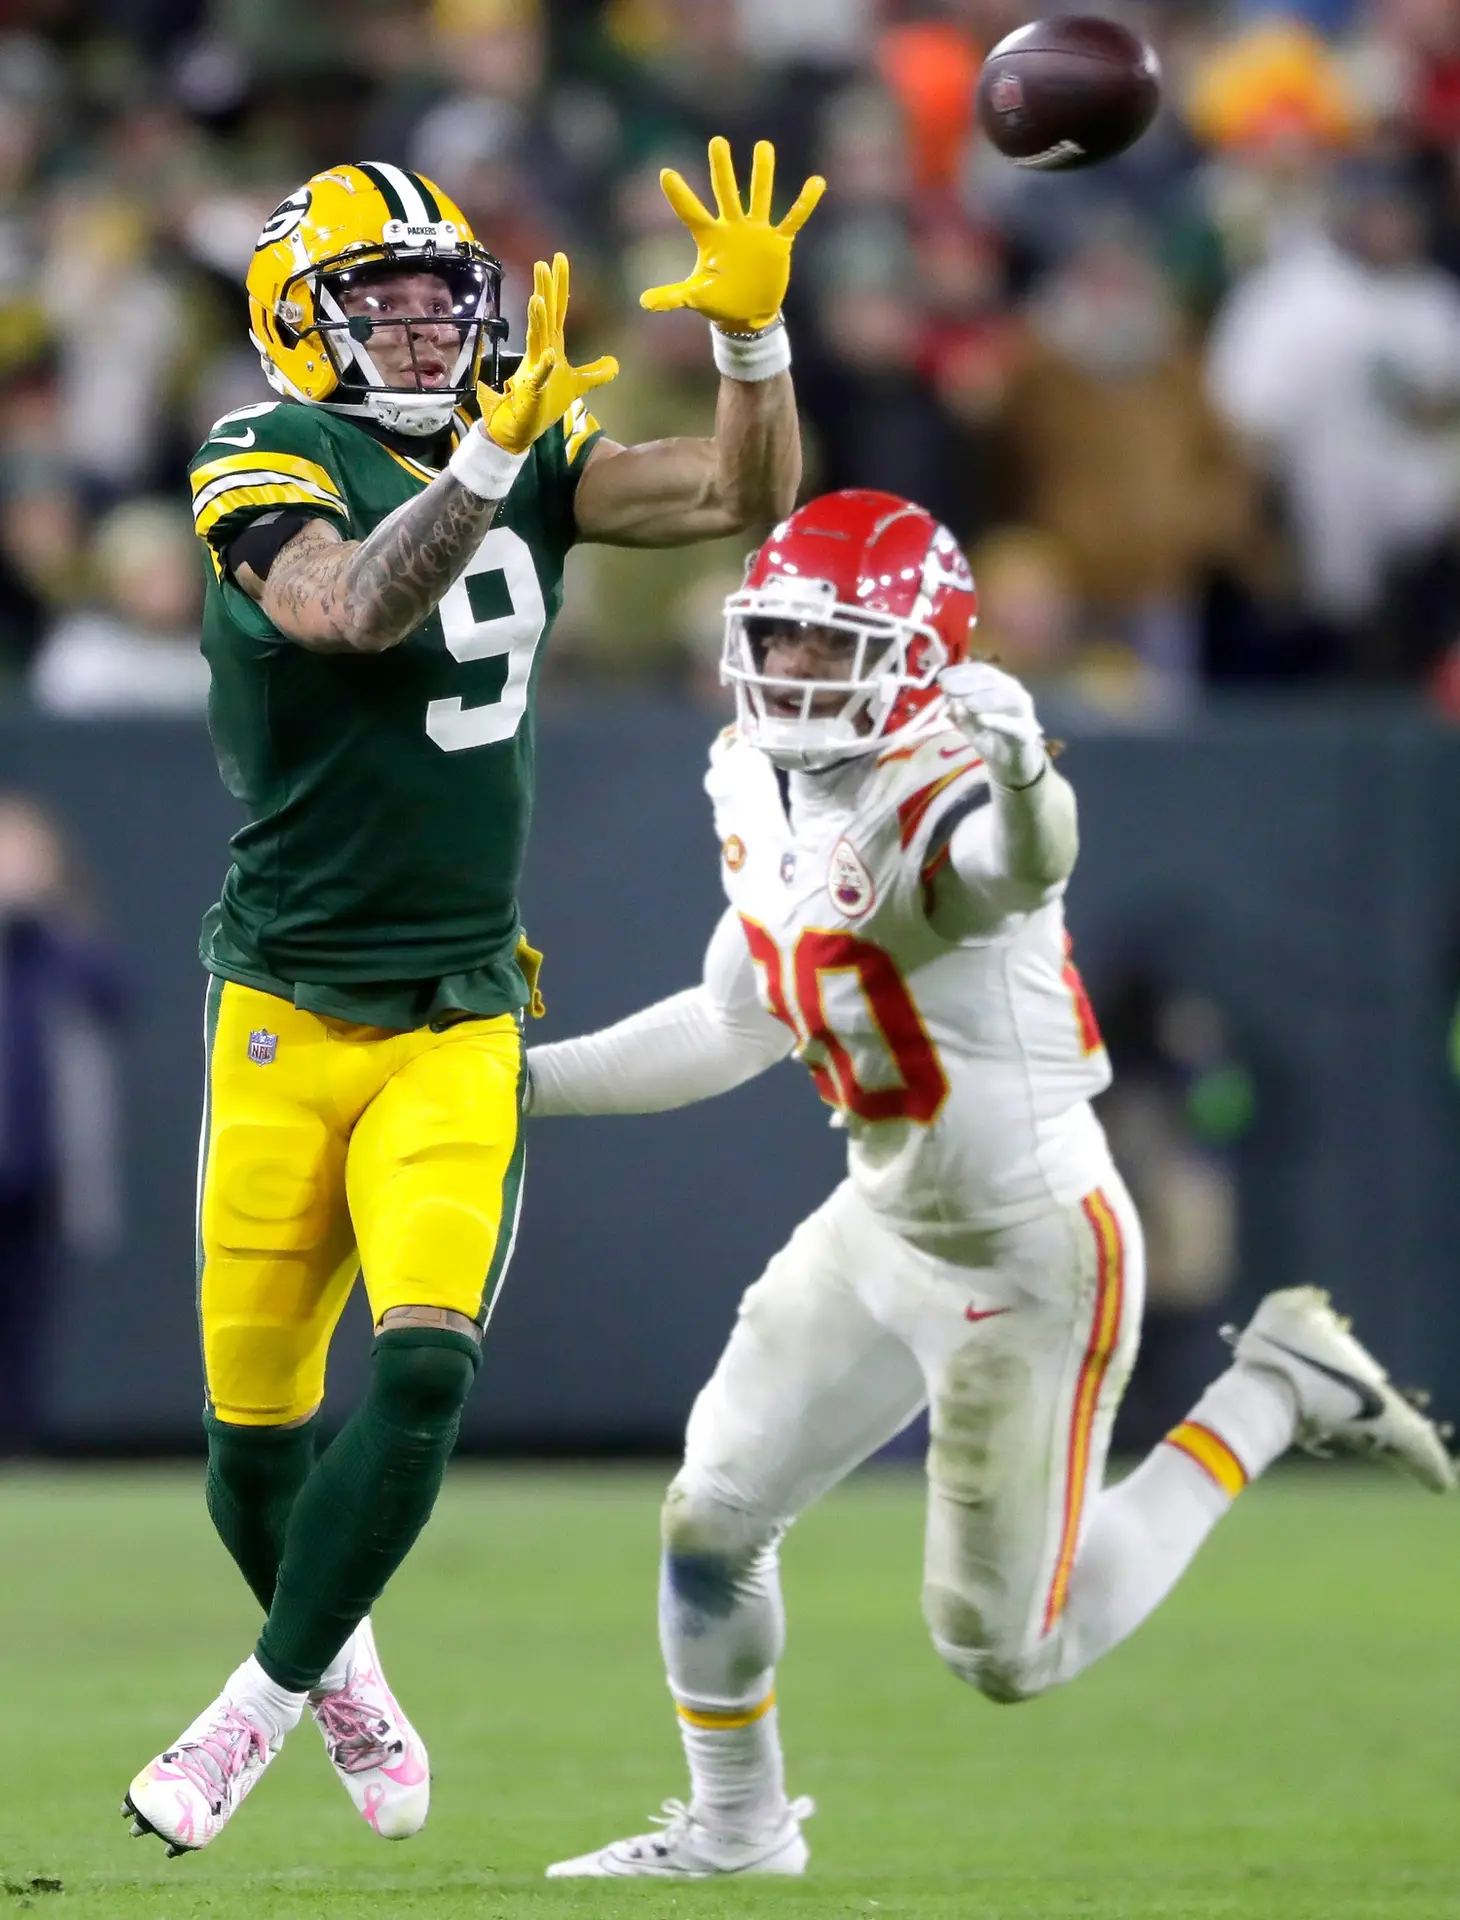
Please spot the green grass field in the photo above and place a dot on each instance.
(1282, 1740)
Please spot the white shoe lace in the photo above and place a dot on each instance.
(676, 1821)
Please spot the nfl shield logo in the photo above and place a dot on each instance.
(262, 1046)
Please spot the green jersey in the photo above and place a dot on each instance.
(388, 794)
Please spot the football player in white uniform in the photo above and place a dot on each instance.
(895, 845)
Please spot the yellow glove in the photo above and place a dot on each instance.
(744, 263)
(545, 385)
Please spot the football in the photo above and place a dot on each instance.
(1068, 92)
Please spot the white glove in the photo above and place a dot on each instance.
(997, 713)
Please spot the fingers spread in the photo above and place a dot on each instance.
(722, 179)
(762, 180)
(597, 373)
(560, 292)
(803, 207)
(685, 202)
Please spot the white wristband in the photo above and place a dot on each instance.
(752, 356)
(483, 467)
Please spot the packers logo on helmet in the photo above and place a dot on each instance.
(341, 232)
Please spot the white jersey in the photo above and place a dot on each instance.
(962, 1071)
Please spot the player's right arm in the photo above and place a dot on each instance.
(689, 1047)
(335, 595)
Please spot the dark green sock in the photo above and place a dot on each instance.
(254, 1477)
(369, 1496)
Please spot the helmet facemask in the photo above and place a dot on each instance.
(313, 303)
(830, 719)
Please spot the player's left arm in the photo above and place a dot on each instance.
(672, 492)
(690, 1047)
(1017, 850)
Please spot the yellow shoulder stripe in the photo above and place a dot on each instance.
(263, 464)
(288, 493)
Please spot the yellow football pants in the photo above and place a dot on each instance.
(329, 1150)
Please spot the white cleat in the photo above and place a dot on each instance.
(189, 1793)
(1345, 1398)
(683, 1849)
(379, 1756)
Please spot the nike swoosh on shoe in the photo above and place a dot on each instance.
(1371, 1403)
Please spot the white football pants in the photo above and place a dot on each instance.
(1021, 1352)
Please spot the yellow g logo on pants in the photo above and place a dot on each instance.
(330, 1150)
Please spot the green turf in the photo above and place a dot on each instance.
(1282, 1740)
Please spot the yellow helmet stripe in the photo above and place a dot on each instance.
(261, 462)
(288, 494)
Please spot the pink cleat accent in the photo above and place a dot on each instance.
(379, 1756)
(187, 1795)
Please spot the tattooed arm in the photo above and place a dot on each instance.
(364, 596)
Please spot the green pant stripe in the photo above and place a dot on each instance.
(511, 1209)
(212, 1000)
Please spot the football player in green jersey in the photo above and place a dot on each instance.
(387, 543)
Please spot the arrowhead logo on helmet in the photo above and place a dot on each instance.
(866, 581)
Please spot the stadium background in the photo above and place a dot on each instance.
(1197, 417)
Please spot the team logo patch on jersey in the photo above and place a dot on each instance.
(849, 882)
(262, 1046)
(788, 866)
(733, 853)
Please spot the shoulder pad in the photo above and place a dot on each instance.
(276, 454)
(739, 773)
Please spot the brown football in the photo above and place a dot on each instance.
(1068, 92)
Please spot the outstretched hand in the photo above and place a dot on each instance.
(744, 263)
(546, 384)
(997, 713)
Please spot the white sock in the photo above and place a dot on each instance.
(338, 1671)
(722, 1627)
(1145, 1532)
(734, 1752)
(275, 1707)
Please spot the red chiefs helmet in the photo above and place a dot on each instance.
(879, 571)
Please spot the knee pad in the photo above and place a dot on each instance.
(421, 1377)
(710, 1549)
(963, 1642)
(1005, 1678)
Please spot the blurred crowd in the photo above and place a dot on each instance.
(1196, 414)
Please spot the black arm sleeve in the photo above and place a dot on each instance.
(257, 545)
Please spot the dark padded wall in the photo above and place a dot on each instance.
(1302, 866)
